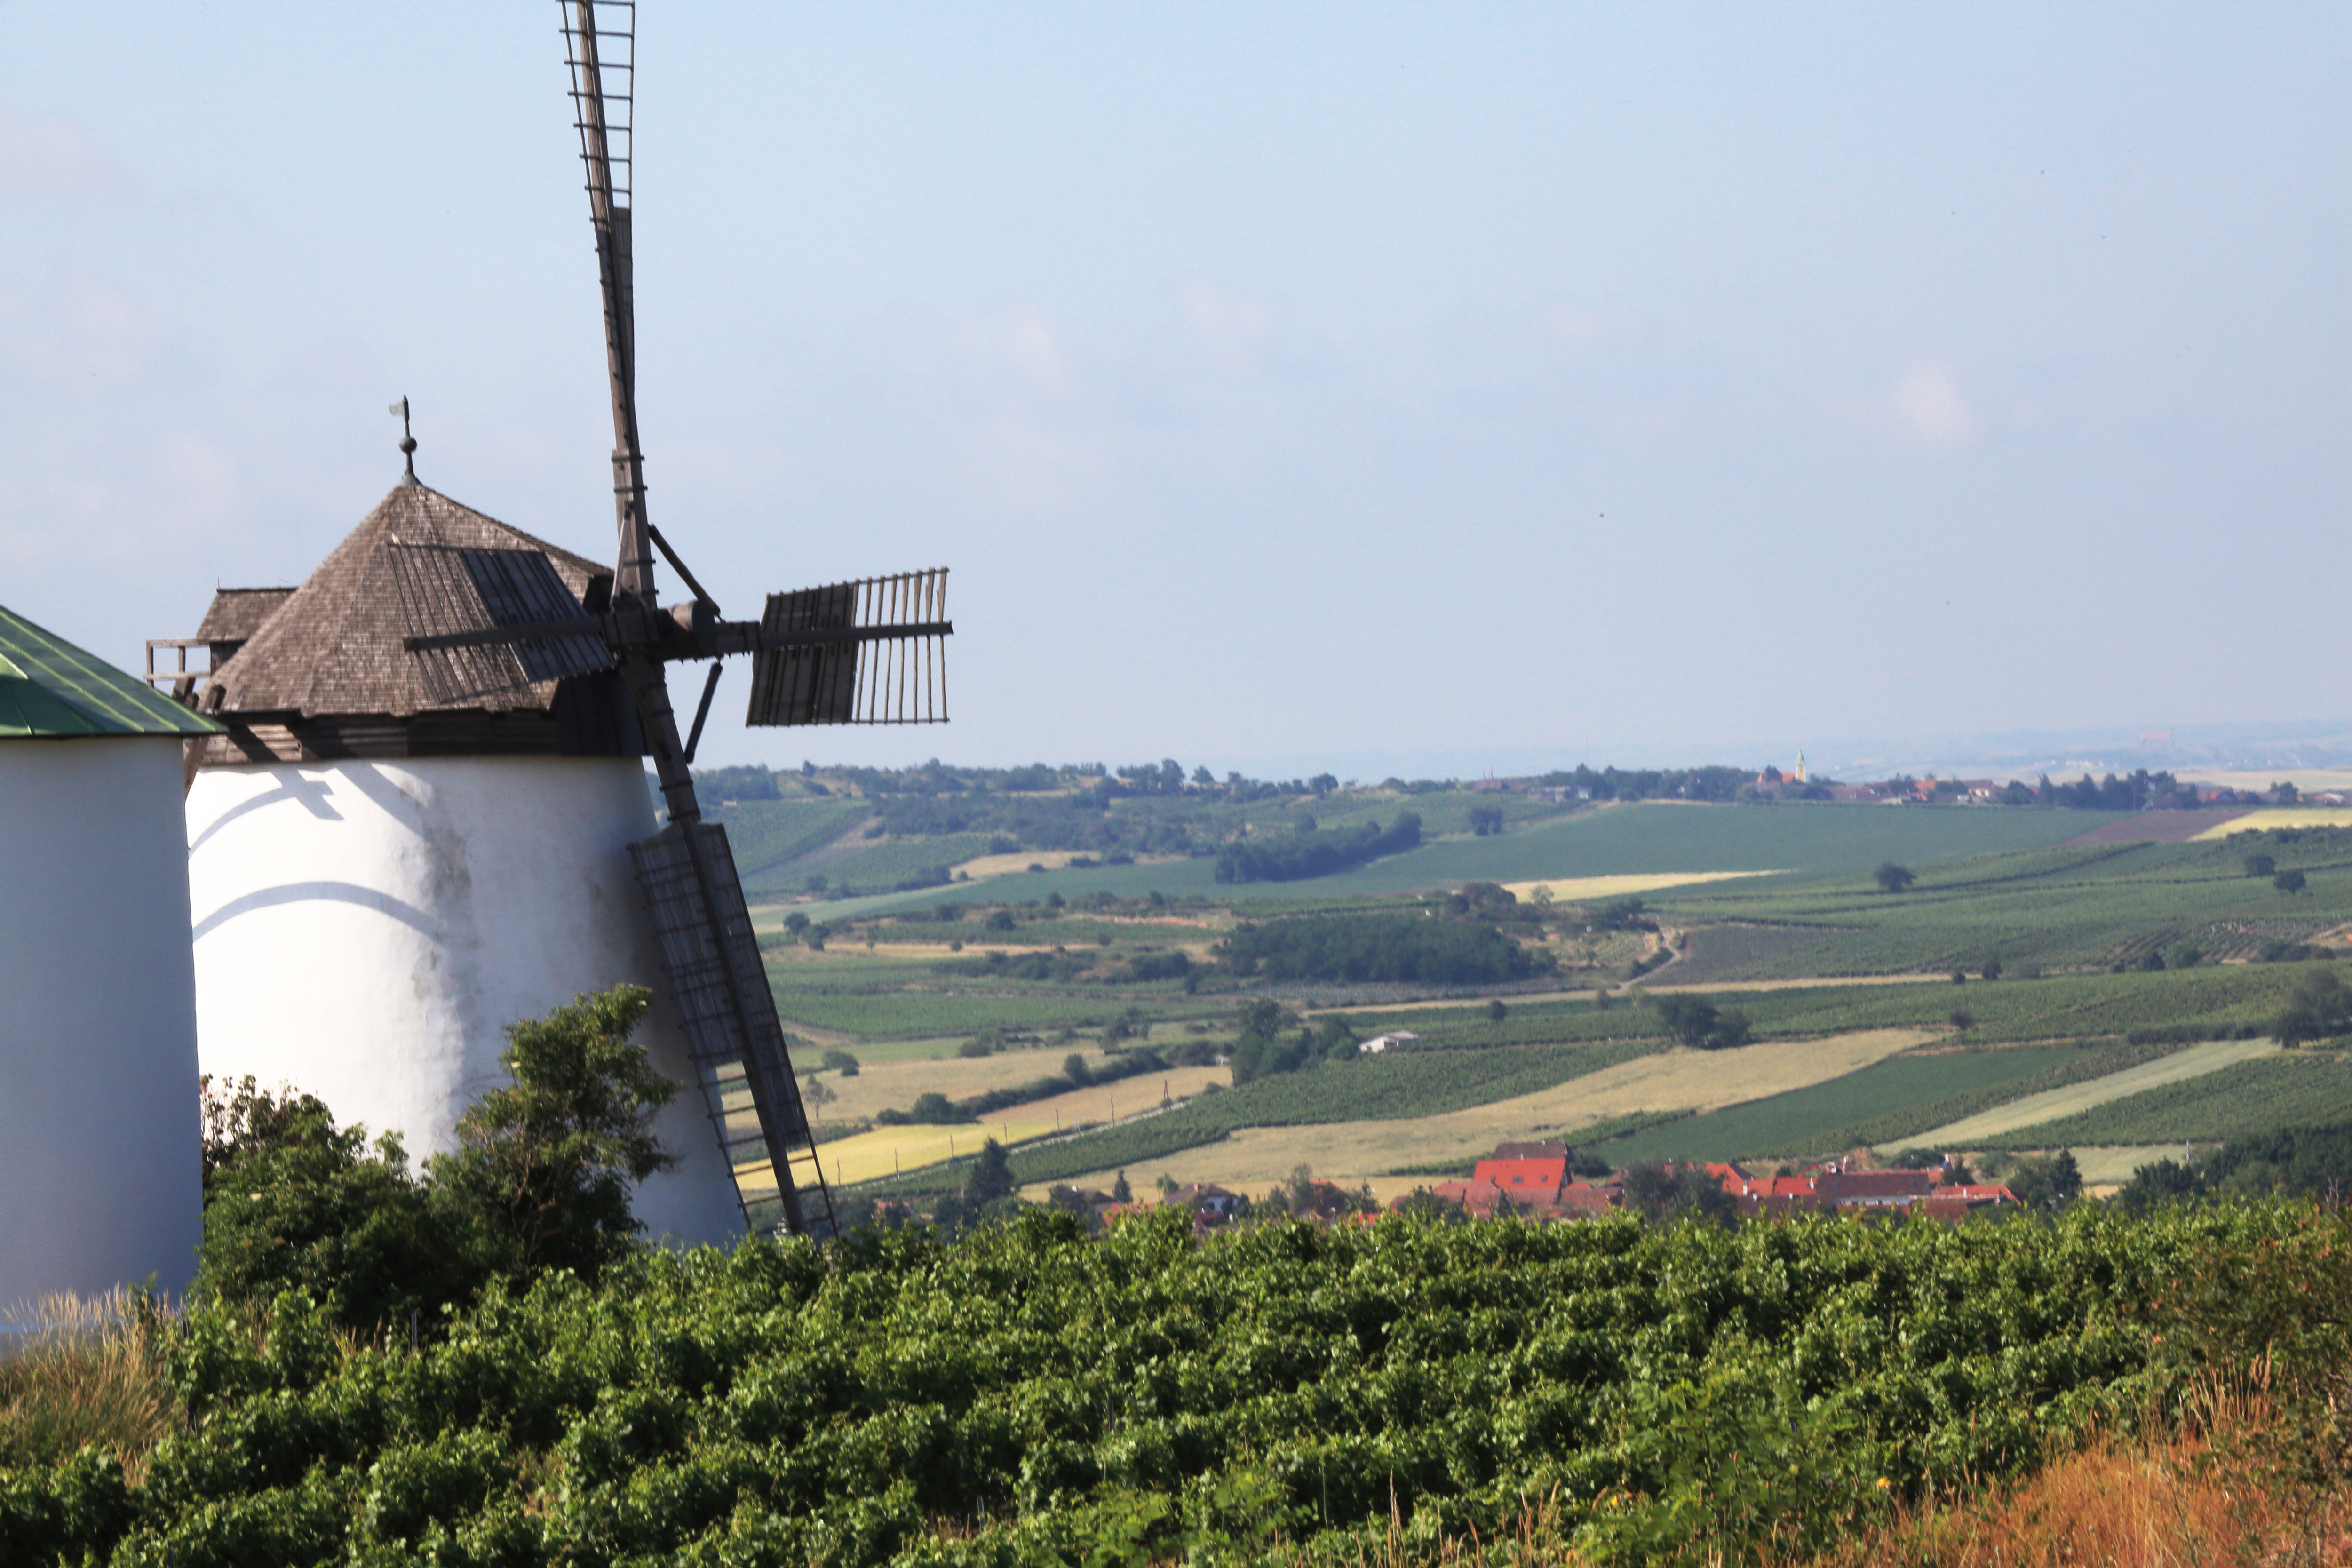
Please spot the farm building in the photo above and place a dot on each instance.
(101, 1165)
(383, 878)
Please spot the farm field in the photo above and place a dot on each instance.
(881, 1085)
(1356, 1150)
(1641, 838)
(2079, 906)
(2195, 1061)
(1582, 889)
(2285, 1089)
(1807, 1120)
(2272, 816)
(887, 1150)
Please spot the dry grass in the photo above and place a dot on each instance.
(85, 1372)
(2178, 1503)
(2284, 816)
(1582, 889)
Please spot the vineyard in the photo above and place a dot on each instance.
(1031, 1396)
(2295, 1090)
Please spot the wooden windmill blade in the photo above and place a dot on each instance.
(890, 667)
(687, 870)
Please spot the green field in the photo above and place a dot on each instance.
(2058, 908)
(1809, 841)
(2295, 1090)
(765, 833)
(1809, 1120)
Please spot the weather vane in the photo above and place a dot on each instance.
(407, 443)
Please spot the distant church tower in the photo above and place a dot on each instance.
(381, 882)
(1802, 777)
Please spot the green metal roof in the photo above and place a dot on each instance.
(50, 688)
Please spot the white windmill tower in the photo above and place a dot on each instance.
(102, 1178)
(424, 818)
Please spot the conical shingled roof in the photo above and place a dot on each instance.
(333, 647)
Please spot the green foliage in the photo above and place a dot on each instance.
(293, 1202)
(542, 1179)
(1697, 1023)
(1684, 1393)
(1663, 1194)
(1315, 853)
(546, 1167)
(1892, 877)
(1409, 949)
(2303, 1162)
(2319, 1008)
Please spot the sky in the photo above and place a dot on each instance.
(1414, 385)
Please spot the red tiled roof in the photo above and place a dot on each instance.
(1523, 1177)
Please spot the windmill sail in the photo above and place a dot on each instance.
(738, 1052)
(894, 674)
(687, 872)
(866, 652)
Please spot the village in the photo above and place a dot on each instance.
(1538, 1182)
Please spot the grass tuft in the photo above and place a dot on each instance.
(86, 1372)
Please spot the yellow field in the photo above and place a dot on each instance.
(2103, 1170)
(980, 867)
(1582, 889)
(2194, 1062)
(893, 1086)
(2307, 780)
(888, 1149)
(1255, 1159)
(2285, 816)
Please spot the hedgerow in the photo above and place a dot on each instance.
(1030, 1396)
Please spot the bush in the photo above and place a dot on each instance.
(541, 1179)
(1372, 948)
(1699, 1023)
(1892, 877)
(1315, 853)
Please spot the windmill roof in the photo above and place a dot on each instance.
(51, 690)
(332, 646)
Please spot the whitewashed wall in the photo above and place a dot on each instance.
(100, 1163)
(364, 931)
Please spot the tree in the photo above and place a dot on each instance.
(1662, 1193)
(293, 1202)
(1496, 1011)
(2288, 882)
(1119, 1191)
(990, 1178)
(2260, 865)
(2047, 1181)
(1699, 1023)
(838, 1060)
(2318, 1008)
(1893, 878)
(545, 1167)
(1075, 1069)
(1992, 969)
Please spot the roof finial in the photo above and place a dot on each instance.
(407, 443)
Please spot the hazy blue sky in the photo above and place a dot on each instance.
(1639, 381)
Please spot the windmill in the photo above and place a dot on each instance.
(870, 651)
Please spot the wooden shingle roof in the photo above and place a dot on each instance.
(332, 647)
(235, 613)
